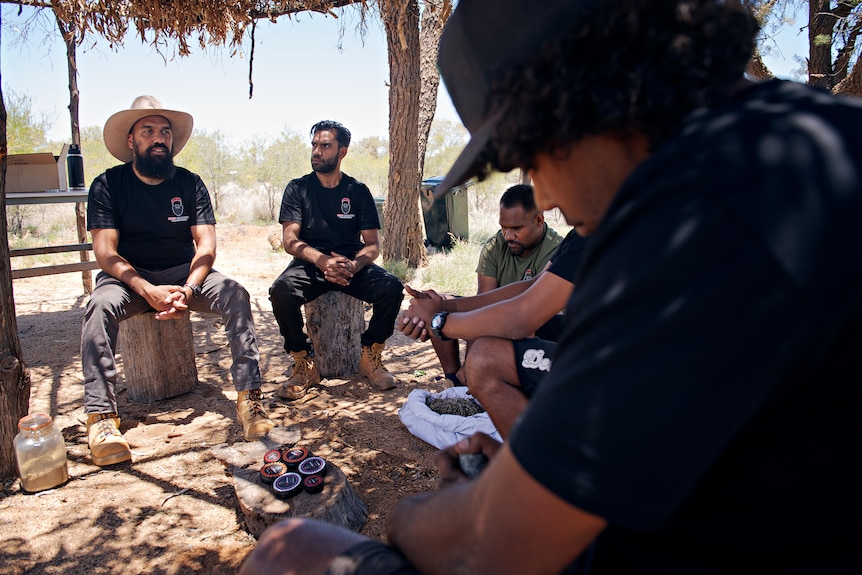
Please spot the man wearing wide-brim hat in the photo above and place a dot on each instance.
(153, 230)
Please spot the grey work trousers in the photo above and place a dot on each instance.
(112, 302)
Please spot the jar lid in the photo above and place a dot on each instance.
(294, 456)
(312, 466)
(287, 485)
(34, 421)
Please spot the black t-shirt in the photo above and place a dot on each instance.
(706, 396)
(332, 219)
(154, 222)
(566, 261)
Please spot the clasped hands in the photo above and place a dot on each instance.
(169, 301)
(416, 319)
(338, 269)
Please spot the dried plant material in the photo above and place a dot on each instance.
(463, 406)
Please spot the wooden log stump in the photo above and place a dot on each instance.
(337, 503)
(158, 357)
(335, 321)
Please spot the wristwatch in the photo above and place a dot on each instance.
(437, 323)
(196, 289)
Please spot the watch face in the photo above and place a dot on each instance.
(436, 321)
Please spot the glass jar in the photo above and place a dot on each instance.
(41, 453)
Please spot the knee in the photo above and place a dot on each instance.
(99, 304)
(483, 355)
(237, 291)
(281, 291)
(395, 289)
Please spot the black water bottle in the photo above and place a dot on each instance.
(75, 164)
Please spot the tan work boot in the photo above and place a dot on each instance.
(107, 444)
(371, 366)
(251, 415)
(304, 375)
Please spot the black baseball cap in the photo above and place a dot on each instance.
(481, 41)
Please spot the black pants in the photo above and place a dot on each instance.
(302, 282)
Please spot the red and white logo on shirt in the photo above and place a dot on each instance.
(345, 209)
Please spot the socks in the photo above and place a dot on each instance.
(454, 379)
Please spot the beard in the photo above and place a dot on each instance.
(516, 249)
(324, 167)
(156, 167)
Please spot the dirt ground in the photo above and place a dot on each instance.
(173, 510)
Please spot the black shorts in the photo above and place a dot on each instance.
(371, 558)
(533, 361)
(552, 329)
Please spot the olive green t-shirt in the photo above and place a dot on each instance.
(496, 260)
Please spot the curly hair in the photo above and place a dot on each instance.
(342, 134)
(635, 65)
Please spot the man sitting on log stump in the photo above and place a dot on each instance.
(154, 238)
(330, 227)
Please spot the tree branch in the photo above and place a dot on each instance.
(757, 69)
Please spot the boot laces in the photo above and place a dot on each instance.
(106, 430)
(300, 367)
(255, 408)
(375, 359)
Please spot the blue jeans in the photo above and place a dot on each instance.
(112, 302)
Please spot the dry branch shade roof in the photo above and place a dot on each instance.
(211, 21)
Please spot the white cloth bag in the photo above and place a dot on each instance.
(442, 430)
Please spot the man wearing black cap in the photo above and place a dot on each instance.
(704, 407)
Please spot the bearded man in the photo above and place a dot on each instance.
(330, 227)
(154, 238)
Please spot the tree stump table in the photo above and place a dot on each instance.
(337, 503)
(158, 357)
(335, 321)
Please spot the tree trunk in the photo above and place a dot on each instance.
(821, 28)
(149, 372)
(334, 322)
(14, 377)
(74, 101)
(434, 17)
(401, 211)
(337, 503)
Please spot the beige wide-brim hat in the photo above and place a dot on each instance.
(118, 126)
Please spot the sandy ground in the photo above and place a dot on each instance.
(174, 510)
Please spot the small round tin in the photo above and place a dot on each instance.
(294, 456)
(270, 471)
(313, 484)
(312, 466)
(287, 485)
(272, 456)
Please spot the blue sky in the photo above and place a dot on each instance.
(300, 76)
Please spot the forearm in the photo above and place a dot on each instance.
(118, 267)
(470, 303)
(202, 263)
(431, 530)
(506, 320)
(303, 251)
(366, 256)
